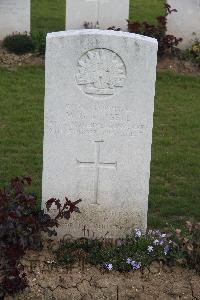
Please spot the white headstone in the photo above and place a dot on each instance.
(98, 13)
(186, 22)
(14, 17)
(99, 106)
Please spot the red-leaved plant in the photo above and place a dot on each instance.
(21, 225)
(166, 42)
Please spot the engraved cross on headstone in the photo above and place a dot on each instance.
(97, 165)
(98, 5)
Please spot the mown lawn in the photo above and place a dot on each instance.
(49, 15)
(146, 10)
(21, 124)
(174, 185)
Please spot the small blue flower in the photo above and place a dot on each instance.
(108, 266)
(158, 232)
(136, 265)
(138, 233)
(156, 242)
(161, 242)
(166, 250)
(128, 261)
(150, 249)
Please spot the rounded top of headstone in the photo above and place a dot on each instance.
(89, 32)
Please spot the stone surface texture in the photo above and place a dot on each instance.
(185, 22)
(14, 17)
(106, 12)
(99, 104)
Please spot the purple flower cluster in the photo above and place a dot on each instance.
(135, 265)
(156, 239)
(159, 239)
(152, 244)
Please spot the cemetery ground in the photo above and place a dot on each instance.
(174, 186)
(174, 182)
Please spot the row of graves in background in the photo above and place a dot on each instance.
(102, 14)
(14, 17)
(97, 14)
(186, 22)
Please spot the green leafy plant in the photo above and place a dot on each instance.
(193, 53)
(39, 41)
(19, 43)
(135, 251)
(21, 225)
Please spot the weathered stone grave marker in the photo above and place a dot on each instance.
(99, 104)
(186, 22)
(98, 13)
(14, 17)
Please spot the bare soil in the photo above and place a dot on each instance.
(178, 65)
(48, 281)
(11, 60)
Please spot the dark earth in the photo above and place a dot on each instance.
(49, 281)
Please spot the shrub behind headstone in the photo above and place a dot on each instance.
(19, 43)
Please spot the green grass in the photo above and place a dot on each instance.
(21, 124)
(174, 184)
(49, 15)
(146, 10)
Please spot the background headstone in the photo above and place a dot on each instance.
(185, 22)
(106, 12)
(14, 17)
(99, 106)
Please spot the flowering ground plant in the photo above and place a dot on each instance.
(131, 253)
(139, 250)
